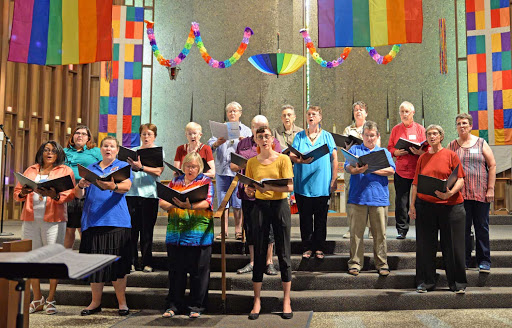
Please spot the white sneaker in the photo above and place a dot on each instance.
(147, 268)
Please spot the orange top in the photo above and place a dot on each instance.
(54, 211)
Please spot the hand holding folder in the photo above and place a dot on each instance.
(192, 195)
(435, 187)
(151, 157)
(313, 154)
(118, 176)
(375, 160)
(59, 184)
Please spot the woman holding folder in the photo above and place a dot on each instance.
(44, 216)
(271, 208)
(313, 183)
(106, 226)
(189, 241)
(142, 201)
(444, 212)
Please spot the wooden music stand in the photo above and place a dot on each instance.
(9, 296)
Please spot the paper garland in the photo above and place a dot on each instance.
(195, 37)
(319, 60)
(386, 59)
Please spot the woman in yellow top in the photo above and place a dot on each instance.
(271, 207)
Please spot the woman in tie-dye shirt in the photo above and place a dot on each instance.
(189, 241)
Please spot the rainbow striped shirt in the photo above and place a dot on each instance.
(190, 227)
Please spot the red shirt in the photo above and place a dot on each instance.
(204, 151)
(439, 165)
(406, 165)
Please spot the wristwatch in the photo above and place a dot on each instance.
(116, 187)
(141, 168)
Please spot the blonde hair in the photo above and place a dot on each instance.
(193, 126)
(235, 105)
(109, 138)
(190, 157)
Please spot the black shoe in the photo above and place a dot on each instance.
(401, 235)
(123, 312)
(254, 316)
(246, 269)
(271, 271)
(89, 312)
(287, 315)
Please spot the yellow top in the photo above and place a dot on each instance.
(281, 168)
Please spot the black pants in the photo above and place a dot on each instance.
(313, 221)
(143, 212)
(247, 208)
(194, 260)
(277, 214)
(402, 188)
(450, 220)
(477, 215)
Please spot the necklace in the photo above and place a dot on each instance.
(41, 171)
(316, 135)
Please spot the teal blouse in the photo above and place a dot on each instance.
(83, 157)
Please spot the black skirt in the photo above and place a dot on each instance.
(75, 208)
(108, 240)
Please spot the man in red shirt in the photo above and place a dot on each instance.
(405, 163)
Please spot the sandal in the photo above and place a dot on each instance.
(384, 272)
(319, 255)
(239, 235)
(168, 313)
(194, 315)
(50, 307)
(353, 271)
(219, 236)
(307, 254)
(36, 306)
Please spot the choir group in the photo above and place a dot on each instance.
(112, 215)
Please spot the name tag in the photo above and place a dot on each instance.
(473, 151)
(412, 137)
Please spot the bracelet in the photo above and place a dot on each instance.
(56, 198)
(190, 205)
(78, 184)
(141, 168)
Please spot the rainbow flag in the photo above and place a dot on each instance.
(364, 23)
(61, 32)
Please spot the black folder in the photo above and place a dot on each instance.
(174, 168)
(342, 141)
(152, 157)
(194, 195)
(376, 160)
(428, 185)
(119, 175)
(251, 182)
(405, 144)
(315, 153)
(239, 160)
(60, 184)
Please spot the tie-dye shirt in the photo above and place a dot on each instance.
(190, 227)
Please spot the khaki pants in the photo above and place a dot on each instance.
(378, 216)
(346, 177)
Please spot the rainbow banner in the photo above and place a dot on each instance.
(61, 32)
(365, 23)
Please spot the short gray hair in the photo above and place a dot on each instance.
(371, 125)
(435, 127)
(361, 104)
(235, 105)
(259, 119)
(407, 105)
(287, 106)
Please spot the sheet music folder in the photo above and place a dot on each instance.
(342, 141)
(428, 185)
(152, 157)
(52, 262)
(194, 195)
(239, 160)
(250, 182)
(405, 144)
(315, 153)
(60, 184)
(376, 160)
(174, 168)
(119, 175)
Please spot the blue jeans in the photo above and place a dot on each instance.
(477, 214)
(222, 183)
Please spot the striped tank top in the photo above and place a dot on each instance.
(475, 167)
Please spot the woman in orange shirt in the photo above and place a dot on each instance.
(44, 218)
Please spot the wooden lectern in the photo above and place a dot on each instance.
(9, 297)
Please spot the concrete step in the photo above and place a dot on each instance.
(240, 302)
(399, 279)
(337, 220)
(333, 262)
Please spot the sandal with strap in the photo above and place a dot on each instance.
(353, 271)
(319, 255)
(36, 305)
(50, 307)
(168, 313)
(307, 254)
(239, 235)
(219, 236)
(194, 315)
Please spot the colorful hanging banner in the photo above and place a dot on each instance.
(120, 95)
(489, 81)
(365, 23)
(61, 32)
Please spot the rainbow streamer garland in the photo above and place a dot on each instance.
(386, 59)
(195, 37)
(319, 60)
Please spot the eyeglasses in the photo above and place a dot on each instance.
(148, 134)
(191, 167)
(81, 134)
(233, 111)
(265, 136)
(48, 150)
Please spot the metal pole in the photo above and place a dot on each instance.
(2, 233)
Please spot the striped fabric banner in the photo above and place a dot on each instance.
(364, 23)
(61, 32)
(120, 98)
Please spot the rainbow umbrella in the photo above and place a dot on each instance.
(277, 63)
